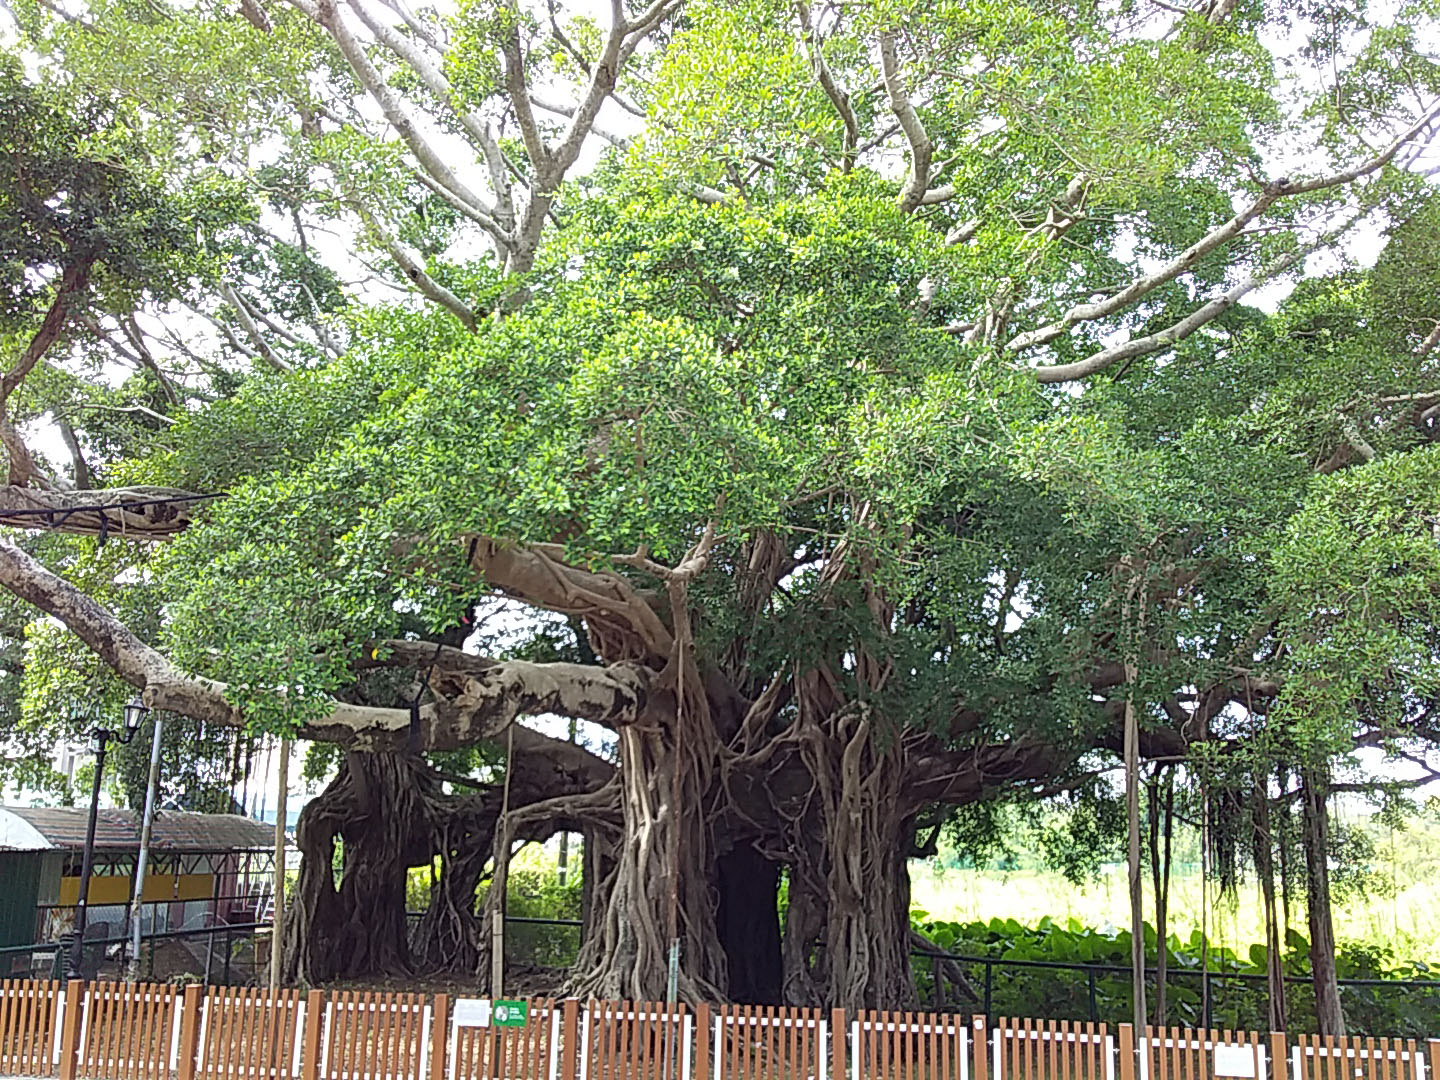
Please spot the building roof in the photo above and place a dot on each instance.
(54, 828)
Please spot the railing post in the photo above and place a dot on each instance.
(1094, 1004)
(314, 1030)
(1280, 1055)
(1127, 1052)
(570, 1040)
(189, 1033)
(838, 1038)
(989, 987)
(440, 1037)
(979, 1031)
(70, 1033)
(1433, 1046)
(702, 1042)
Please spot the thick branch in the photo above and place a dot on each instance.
(838, 98)
(252, 330)
(56, 511)
(487, 703)
(83, 477)
(626, 624)
(922, 150)
(72, 285)
(1141, 346)
(413, 271)
(404, 125)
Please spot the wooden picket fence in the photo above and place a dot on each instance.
(1185, 1053)
(29, 1027)
(1053, 1050)
(113, 1031)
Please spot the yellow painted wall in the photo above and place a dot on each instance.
(115, 889)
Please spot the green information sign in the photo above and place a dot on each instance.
(510, 1013)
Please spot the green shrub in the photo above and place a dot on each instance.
(1238, 994)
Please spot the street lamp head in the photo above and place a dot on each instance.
(135, 711)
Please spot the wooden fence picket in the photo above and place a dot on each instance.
(249, 1034)
(373, 1036)
(510, 1053)
(118, 1031)
(29, 1011)
(129, 1032)
(635, 1041)
(1193, 1054)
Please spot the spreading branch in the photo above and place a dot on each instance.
(838, 97)
(328, 15)
(1172, 335)
(922, 150)
(252, 329)
(488, 701)
(413, 271)
(1188, 259)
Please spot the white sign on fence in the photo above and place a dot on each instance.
(470, 1012)
(1234, 1059)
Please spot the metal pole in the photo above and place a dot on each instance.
(989, 987)
(277, 927)
(133, 972)
(101, 737)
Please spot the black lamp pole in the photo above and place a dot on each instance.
(100, 738)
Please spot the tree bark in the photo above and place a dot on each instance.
(1264, 847)
(849, 885)
(1314, 792)
(1161, 821)
(665, 854)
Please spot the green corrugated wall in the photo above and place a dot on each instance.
(19, 893)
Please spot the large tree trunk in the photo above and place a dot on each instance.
(377, 805)
(860, 958)
(1316, 830)
(802, 959)
(664, 867)
(450, 936)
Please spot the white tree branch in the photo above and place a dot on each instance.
(487, 700)
(413, 271)
(1221, 234)
(1141, 346)
(922, 150)
(252, 330)
(838, 98)
(330, 17)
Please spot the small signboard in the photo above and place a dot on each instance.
(470, 1012)
(1234, 1059)
(510, 1013)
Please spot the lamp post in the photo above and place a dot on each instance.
(100, 738)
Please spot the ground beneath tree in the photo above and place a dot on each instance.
(524, 983)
